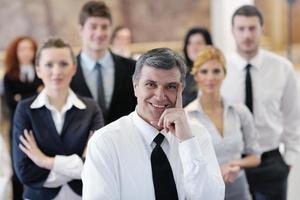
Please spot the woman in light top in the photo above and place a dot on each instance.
(51, 130)
(231, 126)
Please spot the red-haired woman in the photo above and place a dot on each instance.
(20, 81)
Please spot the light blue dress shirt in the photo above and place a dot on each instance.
(90, 75)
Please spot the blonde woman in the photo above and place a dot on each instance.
(231, 126)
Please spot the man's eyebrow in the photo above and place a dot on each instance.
(172, 83)
(149, 80)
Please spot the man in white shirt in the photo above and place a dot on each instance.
(267, 84)
(153, 153)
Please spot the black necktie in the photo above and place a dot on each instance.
(163, 180)
(101, 96)
(248, 89)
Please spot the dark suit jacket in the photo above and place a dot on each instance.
(123, 100)
(73, 139)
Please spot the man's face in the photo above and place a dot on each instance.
(95, 34)
(247, 32)
(156, 90)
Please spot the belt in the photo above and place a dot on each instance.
(272, 153)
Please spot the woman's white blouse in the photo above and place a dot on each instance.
(239, 135)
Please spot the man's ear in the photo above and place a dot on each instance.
(79, 28)
(135, 85)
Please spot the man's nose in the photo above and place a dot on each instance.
(160, 93)
(247, 33)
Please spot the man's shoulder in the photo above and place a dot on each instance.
(116, 129)
(123, 61)
(269, 56)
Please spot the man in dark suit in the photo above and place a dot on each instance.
(101, 74)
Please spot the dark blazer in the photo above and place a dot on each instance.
(24, 89)
(73, 139)
(123, 100)
(190, 91)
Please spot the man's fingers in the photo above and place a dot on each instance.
(161, 119)
(179, 97)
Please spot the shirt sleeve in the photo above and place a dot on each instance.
(65, 169)
(100, 168)
(202, 176)
(250, 135)
(290, 106)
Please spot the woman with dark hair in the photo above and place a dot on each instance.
(120, 41)
(195, 39)
(20, 81)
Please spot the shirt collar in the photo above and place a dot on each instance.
(255, 61)
(195, 106)
(89, 63)
(147, 131)
(72, 100)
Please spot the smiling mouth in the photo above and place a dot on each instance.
(157, 106)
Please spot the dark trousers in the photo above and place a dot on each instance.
(268, 181)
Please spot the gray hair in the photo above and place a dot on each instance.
(160, 58)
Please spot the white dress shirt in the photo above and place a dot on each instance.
(90, 75)
(65, 168)
(5, 172)
(239, 135)
(275, 99)
(118, 165)
(27, 73)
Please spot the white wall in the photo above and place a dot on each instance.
(221, 13)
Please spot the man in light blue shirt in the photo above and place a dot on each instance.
(101, 74)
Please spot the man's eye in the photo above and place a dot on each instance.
(172, 87)
(93, 27)
(150, 85)
(104, 27)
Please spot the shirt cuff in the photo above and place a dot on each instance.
(290, 158)
(189, 151)
(68, 165)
